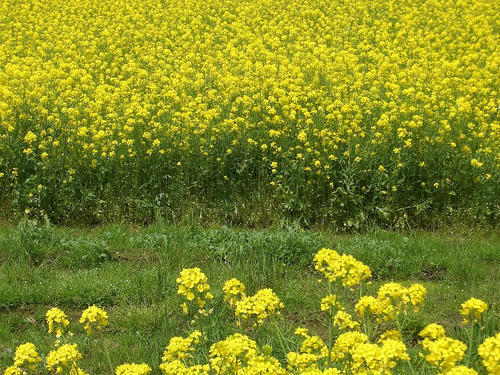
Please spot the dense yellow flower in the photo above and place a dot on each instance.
(329, 302)
(191, 89)
(64, 359)
(94, 318)
(13, 370)
(344, 267)
(234, 290)
(312, 350)
(30, 137)
(133, 369)
(374, 359)
(368, 305)
(302, 362)
(259, 306)
(262, 365)
(232, 354)
(180, 348)
(473, 308)
(57, 321)
(476, 163)
(444, 352)
(489, 351)
(392, 299)
(194, 287)
(177, 367)
(390, 334)
(345, 343)
(27, 357)
(432, 331)
(460, 370)
(344, 321)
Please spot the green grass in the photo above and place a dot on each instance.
(131, 273)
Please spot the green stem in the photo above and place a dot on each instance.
(107, 356)
(284, 347)
(471, 341)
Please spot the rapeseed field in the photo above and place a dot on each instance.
(344, 112)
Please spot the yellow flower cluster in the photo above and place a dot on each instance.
(390, 334)
(237, 354)
(489, 351)
(329, 303)
(472, 309)
(460, 370)
(344, 267)
(392, 299)
(344, 344)
(13, 370)
(432, 332)
(258, 307)
(234, 290)
(180, 348)
(57, 321)
(441, 351)
(344, 321)
(404, 96)
(194, 287)
(64, 360)
(94, 318)
(26, 357)
(312, 350)
(373, 359)
(133, 369)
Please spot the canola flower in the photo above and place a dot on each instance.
(194, 287)
(133, 369)
(234, 290)
(390, 334)
(460, 370)
(26, 356)
(64, 360)
(400, 96)
(238, 354)
(312, 350)
(472, 309)
(345, 343)
(254, 309)
(94, 318)
(432, 332)
(489, 351)
(343, 267)
(443, 352)
(258, 307)
(180, 348)
(392, 299)
(232, 354)
(344, 321)
(329, 303)
(13, 370)
(378, 359)
(57, 321)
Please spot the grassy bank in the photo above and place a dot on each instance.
(131, 272)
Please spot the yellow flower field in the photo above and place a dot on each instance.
(348, 111)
